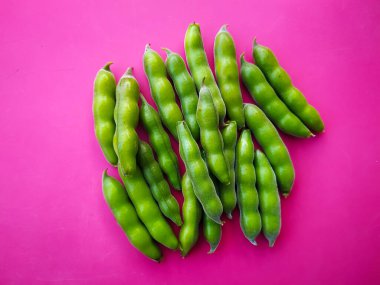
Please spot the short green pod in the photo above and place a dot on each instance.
(185, 88)
(270, 204)
(157, 183)
(160, 142)
(212, 232)
(264, 95)
(192, 214)
(282, 84)
(273, 146)
(103, 107)
(126, 216)
(200, 68)
(162, 90)
(127, 117)
(211, 138)
(147, 209)
(197, 170)
(227, 75)
(227, 192)
(248, 200)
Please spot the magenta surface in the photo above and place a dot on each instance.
(55, 227)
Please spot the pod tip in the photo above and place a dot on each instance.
(229, 216)
(271, 242)
(213, 247)
(223, 28)
(242, 59)
(253, 242)
(129, 71)
(107, 66)
(147, 47)
(168, 51)
(254, 42)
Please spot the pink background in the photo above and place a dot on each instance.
(55, 227)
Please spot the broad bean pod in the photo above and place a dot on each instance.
(211, 138)
(127, 118)
(270, 204)
(282, 84)
(197, 170)
(126, 216)
(160, 141)
(103, 107)
(273, 146)
(185, 88)
(227, 192)
(192, 214)
(162, 90)
(227, 75)
(200, 68)
(264, 95)
(147, 209)
(157, 183)
(248, 200)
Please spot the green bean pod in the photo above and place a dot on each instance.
(103, 107)
(227, 75)
(185, 88)
(270, 204)
(200, 68)
(126, 138)
(282, 84)
(227, 192)
(248, 200)
(192, 214)
(157, 183)
(273, 146)
(160, 141)
(147, 209)
(126, 216)
(162, 90)
(264, 95)
(211, 138)
(197, 170)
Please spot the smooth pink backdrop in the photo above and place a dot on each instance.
(55, 227)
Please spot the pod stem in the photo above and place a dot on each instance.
(242, 60)
(168, 51)
(107, 66)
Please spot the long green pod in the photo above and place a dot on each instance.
(227, 192)
(270, 204)
(264, 95)
(157, 183)
(200, 68)
(273, 146)
(147, 209)
(185, 88)
(211, 138)
(248, 200)
(160, 141)
(103, 106)
(127, 118)
(192, 214)
(162, 90)
(227, 75)
(282, 84)
(126, 216)
(197, 170)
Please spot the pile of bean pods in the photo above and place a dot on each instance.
(214, 130)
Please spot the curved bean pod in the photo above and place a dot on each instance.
(157, 183)
(227, 75)
(211, 138)
(199, 67)
(161, 143)
(126, 216)
(248, 200)
(185, 88)
(197, 170)
(273, 146)
(270, 204)
(147, 209)
(126, 138)
(103, 107)
(192, 214)
(227, 192)
(264, 95)
(282, 84)
(162, 90)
